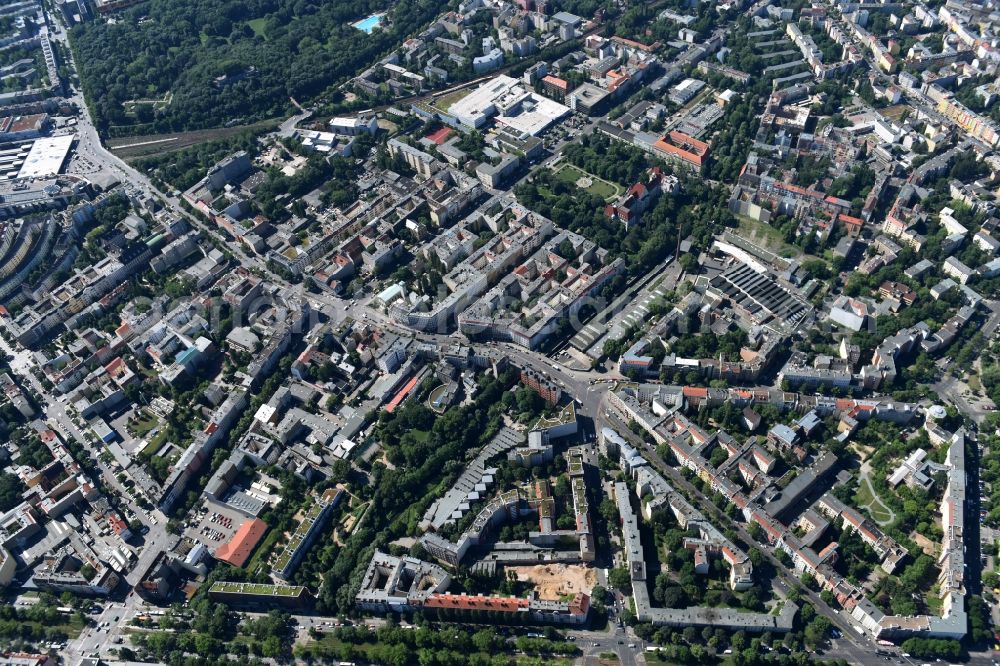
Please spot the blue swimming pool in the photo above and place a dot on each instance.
(368, 24)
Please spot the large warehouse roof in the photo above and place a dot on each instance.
(46, 156)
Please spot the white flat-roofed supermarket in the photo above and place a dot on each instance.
(46, 156)
(512, 103)
(536, 114)
(481, 104)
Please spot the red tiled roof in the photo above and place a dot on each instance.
(697, 434)
(679, 450)
(634, 44)
(22, 123)
(683, 146)
(237, 550)
(399, 397)
(790, 187)
(117, 524)
(465, 602)
(562, 84)
(845, 404)
(617, 79)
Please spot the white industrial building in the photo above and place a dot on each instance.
(685, 91)
(354, 126)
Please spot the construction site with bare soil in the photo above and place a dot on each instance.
(557, 581)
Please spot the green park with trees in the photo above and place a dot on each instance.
(273, 50)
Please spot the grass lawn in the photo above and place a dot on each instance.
(602, 190)
(653, 660)
(766, 236)
(866, 497)
(933, 601)
(879, 513)
(895, 112)
(420, 435)
(69, 626)
(258, 25)
(144, 423)
(598, 187)
(154, 444)
(359, 510)
(562, 417)
(148, 373)
(158, 440)
(444, 102)
(263, 550)
(974, 383)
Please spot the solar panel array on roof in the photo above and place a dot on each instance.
(759, 295)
